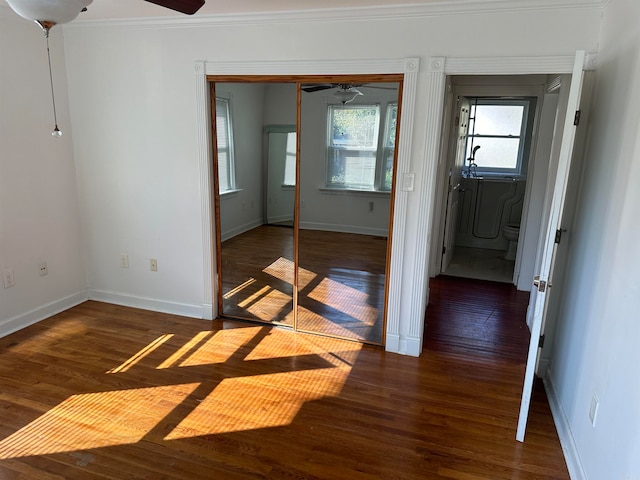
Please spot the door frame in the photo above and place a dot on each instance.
(408, 67)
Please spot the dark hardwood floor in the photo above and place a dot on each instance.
(341, 281)
(477, 317)
(108, 392)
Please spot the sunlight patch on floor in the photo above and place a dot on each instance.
(95, 420)
(271, 375)
(345, 299)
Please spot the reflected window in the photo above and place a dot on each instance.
(352, 146)
(224, 136)
(290, 161)
(389, 146)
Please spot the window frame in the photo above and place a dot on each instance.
(231, 170)
(387, 147)
(526, 126)
(381, 147)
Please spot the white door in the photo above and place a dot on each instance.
(455, 179)
(543, 280)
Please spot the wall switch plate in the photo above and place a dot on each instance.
(9, 278)
(42, 269)
(153, 264)
(124, 261)
(408, 181)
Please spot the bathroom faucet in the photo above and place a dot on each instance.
(472, 169)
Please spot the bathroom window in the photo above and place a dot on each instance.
(499, 131)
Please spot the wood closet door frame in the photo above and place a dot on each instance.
(299, 80)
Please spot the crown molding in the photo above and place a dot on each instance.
(381, 12)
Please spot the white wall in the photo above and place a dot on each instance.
(39, 219)
(596, 348)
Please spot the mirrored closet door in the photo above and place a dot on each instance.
(304, 178)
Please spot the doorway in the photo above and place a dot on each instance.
(493, 186)
(303, 201)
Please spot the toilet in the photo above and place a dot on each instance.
(511, 232)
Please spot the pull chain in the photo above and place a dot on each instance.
(56, 131)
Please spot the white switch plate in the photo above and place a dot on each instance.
(124, 261)
(153, 264)
(408, 181)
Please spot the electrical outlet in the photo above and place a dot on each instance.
(153, 264)
(124, 261)
(593, 410)
(42, 269)
(9, 279)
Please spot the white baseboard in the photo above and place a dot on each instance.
(36, 315)
(392, 343)
(280, 219)
(329, 227)
(207, 312)
(414, 346)
(174, 308)
(571, 455)
(241, 229)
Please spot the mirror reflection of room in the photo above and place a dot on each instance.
(347, 151)
(346, 175)
(256, 168)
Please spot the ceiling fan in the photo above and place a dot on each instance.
(346, 92)
(49, 13)
(54, 12)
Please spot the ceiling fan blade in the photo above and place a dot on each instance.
(183, 6)
(316, 87)
(368, 85)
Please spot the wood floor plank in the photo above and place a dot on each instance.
(108, 392)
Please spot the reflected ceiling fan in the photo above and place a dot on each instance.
(345, 92)
(49, 13)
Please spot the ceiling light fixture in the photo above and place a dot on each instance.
(347, 94)
(47, 14)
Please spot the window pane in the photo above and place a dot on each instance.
(498, 119)
(389, 146)
(496, 152)
(360, 169)
(223, 170)
(390, 125)
(290, 160)
(352, 168)
(387, 170)
(224, 144)
(355, 126)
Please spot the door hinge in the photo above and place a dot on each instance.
(541, 342)
(576, 119)
(444, 250)
(558, 235)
